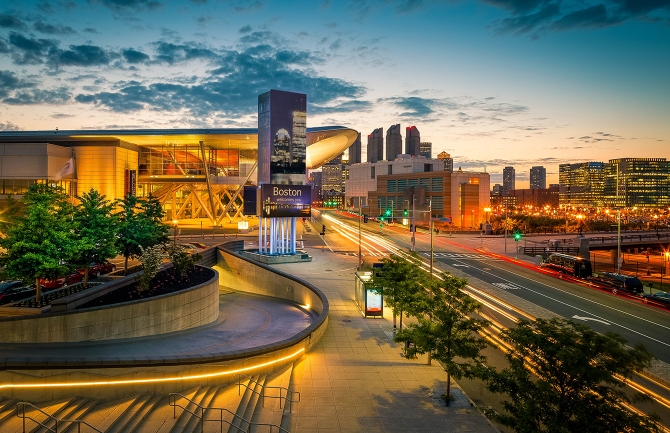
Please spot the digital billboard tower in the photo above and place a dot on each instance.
(282, 174)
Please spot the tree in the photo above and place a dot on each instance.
(402, 283)
(131, 233)
(562, 378)
(151, 259)
(181, 260)
(96, 230)
(40, 241)
(446, 330)
(152, 215)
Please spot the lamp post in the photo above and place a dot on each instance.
(656, 221)
(174, 222)
(360, 217)
(506, 214)
(618, 241)
(580, 217)
(413, 222)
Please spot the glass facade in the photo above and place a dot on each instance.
(20, 186)
(581, 184)
(637, 182)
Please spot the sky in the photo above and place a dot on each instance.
(492, 82)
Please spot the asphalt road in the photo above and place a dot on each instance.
(637, 322)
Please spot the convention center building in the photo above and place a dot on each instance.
(195, 173)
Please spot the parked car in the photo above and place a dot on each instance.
(662, 298)
(619, 282)
(97, 269)
(57, 283)
(13, 290)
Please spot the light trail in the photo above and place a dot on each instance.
(494, 339)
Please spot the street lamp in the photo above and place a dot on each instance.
(656, 221)
(174, 222)
(580, 217)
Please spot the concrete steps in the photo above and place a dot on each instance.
(295, 380)
(149, 413)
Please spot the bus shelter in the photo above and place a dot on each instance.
(369, 299)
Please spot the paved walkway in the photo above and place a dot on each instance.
(246, 322)
(355, 379)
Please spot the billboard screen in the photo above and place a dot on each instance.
(281, 201)
(282, 137)
(250, 200)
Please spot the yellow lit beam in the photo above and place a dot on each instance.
(154, 380)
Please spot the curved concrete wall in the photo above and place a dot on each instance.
(239, 273)
(167, 313)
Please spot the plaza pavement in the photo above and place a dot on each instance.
(356, 379)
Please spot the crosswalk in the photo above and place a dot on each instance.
(469, 256)
(507, 286)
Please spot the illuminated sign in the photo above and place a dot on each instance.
(280, 201)
(373, 302)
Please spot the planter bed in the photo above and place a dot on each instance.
(163, 283)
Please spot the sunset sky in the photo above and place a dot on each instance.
(493, 82)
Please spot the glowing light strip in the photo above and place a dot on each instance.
(155, 380)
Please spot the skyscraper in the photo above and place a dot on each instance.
(509, 180)
(412, 141)
(581, 184)
(393, 142)
(426, 149)
(355, 151)
(376, 145)
(538, 177)
(447, 160)
(637, 182)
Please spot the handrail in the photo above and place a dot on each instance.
(173, 402)
(286, 398)
(21, 413)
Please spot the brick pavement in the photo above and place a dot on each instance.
(355, 379)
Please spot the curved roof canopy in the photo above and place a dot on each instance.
(323, 143)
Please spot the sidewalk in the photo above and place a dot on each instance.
(355, 379)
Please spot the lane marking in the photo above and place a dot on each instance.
(507, 286)
(579, 309)
(590, 318)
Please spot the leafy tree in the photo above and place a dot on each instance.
(41, 240)
(151, 259)
(131, 231)
(561, 378)
(447, 332)
(152, 215)
(181, 260)
(96, 230)
(403, 284)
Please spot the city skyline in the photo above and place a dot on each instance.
(493, 83)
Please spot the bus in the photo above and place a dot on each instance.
(572, 265)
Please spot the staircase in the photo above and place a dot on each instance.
(250, 408)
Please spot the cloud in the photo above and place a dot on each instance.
(10, 82)
(80, 55)
(52, 29)
(9, 126)
(10, 22)
(133, 56)
(461, 110)
(232, 87)
(245, 29)
(35, 96)
(588, 18)
(356, 105)
(537, 16)
(49, 7)
(248, 5)
(203, 19)
(597, 137)
(198, 2)
(91, 30)
(125, 6)
(61, 115)
(167, 52)
(27, 51)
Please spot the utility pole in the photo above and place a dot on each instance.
(360, 217)
(505, 224)
(432, 250)
(618, 241)
(413, 222)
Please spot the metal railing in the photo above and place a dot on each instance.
(203, 410)
(281, 396)
(21, 413)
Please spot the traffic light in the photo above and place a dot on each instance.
(365, 218)
(323, 230)
(388, 212)
(517, 236)
(405, 212)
